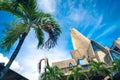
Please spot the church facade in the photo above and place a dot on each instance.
(86, 50)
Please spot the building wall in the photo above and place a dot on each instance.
(86, 50)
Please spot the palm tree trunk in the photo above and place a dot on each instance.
(15, 53)
(45, 72)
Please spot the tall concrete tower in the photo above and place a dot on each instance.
(79, 41)
(82, 46)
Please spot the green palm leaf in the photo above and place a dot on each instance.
(12, 35)
(53, 73)
(53, 30)
(116, 65)
(9, 7)
(40, 36)
(77, 74)
(98, 68)
(49, 25)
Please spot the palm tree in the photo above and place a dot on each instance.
(53, 73)
(77, 74)
(29, 17)
(98, 71)
(116, 65)
(116, 69)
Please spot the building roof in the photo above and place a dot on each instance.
(117, 43)
(65, 63)
(11, 75)
(78, 54)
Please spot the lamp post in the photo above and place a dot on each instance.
(39, 67)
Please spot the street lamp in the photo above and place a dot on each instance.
(39, 67)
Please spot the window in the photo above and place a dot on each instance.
(116, 49)
(70, 65)
(85, 66)
(95, 47)
(114, 54)
(81, 61)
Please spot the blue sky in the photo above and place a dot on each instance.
(98, 20)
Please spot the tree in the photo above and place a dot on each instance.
(116, 69)
(77, 74)
(53, 73)
(116, 65)
(29, 17)
(98, 71)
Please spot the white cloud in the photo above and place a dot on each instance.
(83, 17)
(118, 38)
(48, 6)
(77, 15)
(15, 65)
(107, 31)
(97, 25)
(29, 56)
(30, 62)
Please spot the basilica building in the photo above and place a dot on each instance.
(86, 50)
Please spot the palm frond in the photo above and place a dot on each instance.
(40, 36)
(39, 17)
(83, 76)
(49, 25)
(116, 65)
(98, 68)
(9, 7)
(28, 7)
(53, 29)
(76, 73)
(53, 73)
(105, 71)
(12, 35)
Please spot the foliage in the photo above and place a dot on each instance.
(53, 73)
(29, 17)
(12, 34)
(116, 65)
(98, 69)
(77, 74)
